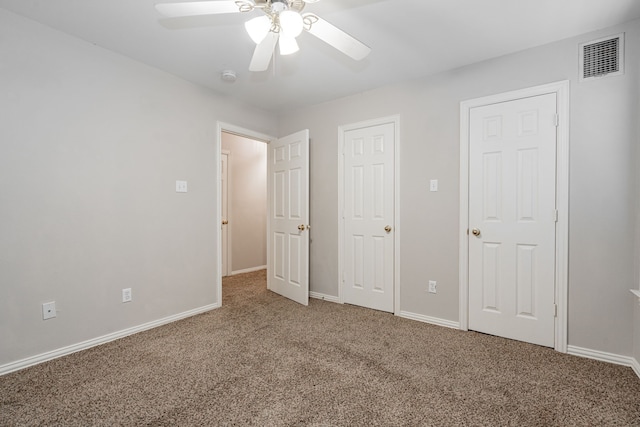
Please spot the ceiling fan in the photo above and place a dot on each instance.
(281, 22)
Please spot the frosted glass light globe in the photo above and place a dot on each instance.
(291, 23)
(258, 28)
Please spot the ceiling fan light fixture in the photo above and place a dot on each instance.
(291, 23)
(258, 28)
(282, 22)
(288, 45)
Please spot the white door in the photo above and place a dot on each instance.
(369, 217)
(224, 174)
(512, 219)
(288, 263)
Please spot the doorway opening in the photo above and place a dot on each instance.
(242, 199)
(243, 204)
(287, 242)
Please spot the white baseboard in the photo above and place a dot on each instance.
(249, 270)
(64, 351)
(431, 320)
(318, 295)
(602, 356)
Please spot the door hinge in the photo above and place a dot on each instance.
(555, 310)
(555, 215)
(556, 120)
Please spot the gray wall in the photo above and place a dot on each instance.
(248, 201)
(91, 144)
(604, 135)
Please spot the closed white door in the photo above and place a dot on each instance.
(368, 246)
(224, 185)
(512, 219)
(288, 257)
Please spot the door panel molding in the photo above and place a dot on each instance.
(288, 217)
(342, 130)
(236, 130)
(561, 89)
(512, 200)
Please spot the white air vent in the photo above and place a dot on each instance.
(603, 57)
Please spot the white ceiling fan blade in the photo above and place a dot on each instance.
(337, 38)
(263, 53)
(195, 8)
(288, 45)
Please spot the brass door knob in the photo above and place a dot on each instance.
(475, 232)
(225, 222)
(387, 229)
(301, 227)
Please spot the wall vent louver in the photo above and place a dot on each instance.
(602, 58)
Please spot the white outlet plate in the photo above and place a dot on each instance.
(48, 310)
(433, 287)
(126, 295)
(181, 186)
(433, 185)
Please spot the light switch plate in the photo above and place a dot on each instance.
(433, 185)
(181, 186)
(433, 287)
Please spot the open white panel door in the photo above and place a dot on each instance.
(288, 254)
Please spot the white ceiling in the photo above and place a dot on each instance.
(409, 39)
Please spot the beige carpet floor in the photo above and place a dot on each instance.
(263, 360)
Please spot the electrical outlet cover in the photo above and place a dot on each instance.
(48, 310)
(181, 186)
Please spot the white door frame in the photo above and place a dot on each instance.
(237, 130)
(561, 89)
(395, 120)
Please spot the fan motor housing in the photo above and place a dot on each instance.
(277, 6)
